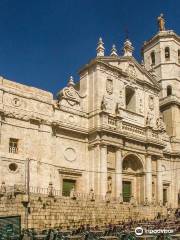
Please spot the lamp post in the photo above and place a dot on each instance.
(26, 198)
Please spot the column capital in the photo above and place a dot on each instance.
(103, 145)
(119, 148)
(148, 155)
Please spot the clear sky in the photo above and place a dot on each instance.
(43, 42)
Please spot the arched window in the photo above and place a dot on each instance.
(169, 90)
(178, 55)
(153, 60)
(167, 53)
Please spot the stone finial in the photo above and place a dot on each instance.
(113, 51)
(128, 48)
(71, 82)
(142, 63)
(100, 48)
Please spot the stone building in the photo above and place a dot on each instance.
(116, 131)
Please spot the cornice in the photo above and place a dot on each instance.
(102, 61)
(169, 101)
(161, 35)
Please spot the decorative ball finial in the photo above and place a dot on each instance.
(161, 22)
(100, 48)
(71, 81)
(128, 48)
(113, 51)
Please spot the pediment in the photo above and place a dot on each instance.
(132, 70)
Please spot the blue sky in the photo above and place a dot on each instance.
(43, 42)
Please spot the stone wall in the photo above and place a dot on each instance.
(47, 212)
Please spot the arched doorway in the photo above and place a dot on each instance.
(133, 178)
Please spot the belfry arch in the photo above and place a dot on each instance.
(133, 178)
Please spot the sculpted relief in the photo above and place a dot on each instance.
(131, 71)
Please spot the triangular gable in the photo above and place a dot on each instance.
(133, 69)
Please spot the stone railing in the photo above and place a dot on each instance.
(133, 129)
(119, 125)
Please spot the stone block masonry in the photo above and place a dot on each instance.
(50, 212)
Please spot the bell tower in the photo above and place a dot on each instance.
(162, 57)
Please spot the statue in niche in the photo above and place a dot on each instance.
(149, 119)
(161, 22)
(104, 104)
(151, 102)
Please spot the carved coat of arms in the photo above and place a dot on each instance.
(131, 71)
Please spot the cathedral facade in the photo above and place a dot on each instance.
(116, 131)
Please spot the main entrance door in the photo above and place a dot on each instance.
(68, 184)
(126, 191)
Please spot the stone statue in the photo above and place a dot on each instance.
(161, 22)
(50, 189)
(108, 196)
(73, 193)
(121, 198)
(109, 185)
(160, 124)
(92, 195)
(3, 188)
(146, 202)
(153, 200)
(104, 104)
(160, 203)
(118, 109)
(149, 119)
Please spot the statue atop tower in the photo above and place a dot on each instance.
(161, 22)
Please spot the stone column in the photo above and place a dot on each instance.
(103, 169)
(118, 173)
(148, 178)
(159, 182)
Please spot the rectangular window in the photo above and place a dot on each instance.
(126, 191)
(130, 99)
(68, 184)
(164, 196)
(13, 145)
